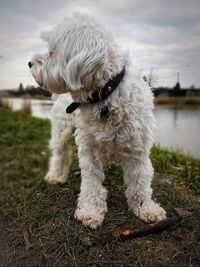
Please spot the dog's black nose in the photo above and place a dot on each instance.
(30, 64)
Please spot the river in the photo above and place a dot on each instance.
(177, 128)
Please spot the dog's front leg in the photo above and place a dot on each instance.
(92, 205)
(60, 160)
(138, 175)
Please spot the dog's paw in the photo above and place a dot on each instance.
(151, 212)
(53, 179)
(92, 218)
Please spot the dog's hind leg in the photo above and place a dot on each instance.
(60, 160)
(138, 175)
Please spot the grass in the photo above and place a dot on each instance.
(37, 227)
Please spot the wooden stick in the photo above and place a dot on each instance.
(27, 242)
(130, 233)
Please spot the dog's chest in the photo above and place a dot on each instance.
(106, 145)
(105, 136)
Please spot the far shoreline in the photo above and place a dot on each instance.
(177, 101)
(192, 101)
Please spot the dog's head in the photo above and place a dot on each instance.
(81, 55)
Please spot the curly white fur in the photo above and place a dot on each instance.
(83, 57)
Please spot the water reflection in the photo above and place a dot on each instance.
(179, 129)
(39, 108)
(175, 117)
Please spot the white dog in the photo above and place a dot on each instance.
(112, 115)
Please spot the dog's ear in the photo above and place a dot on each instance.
(81, 68)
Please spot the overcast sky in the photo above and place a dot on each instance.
(160, 34)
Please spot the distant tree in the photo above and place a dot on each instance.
(177, 90)
(192, 87)
(177, 87)
(21, 88)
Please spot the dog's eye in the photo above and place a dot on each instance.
(39, 61)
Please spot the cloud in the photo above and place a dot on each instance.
(158, 33)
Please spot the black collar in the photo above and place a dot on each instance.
(101, 94)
